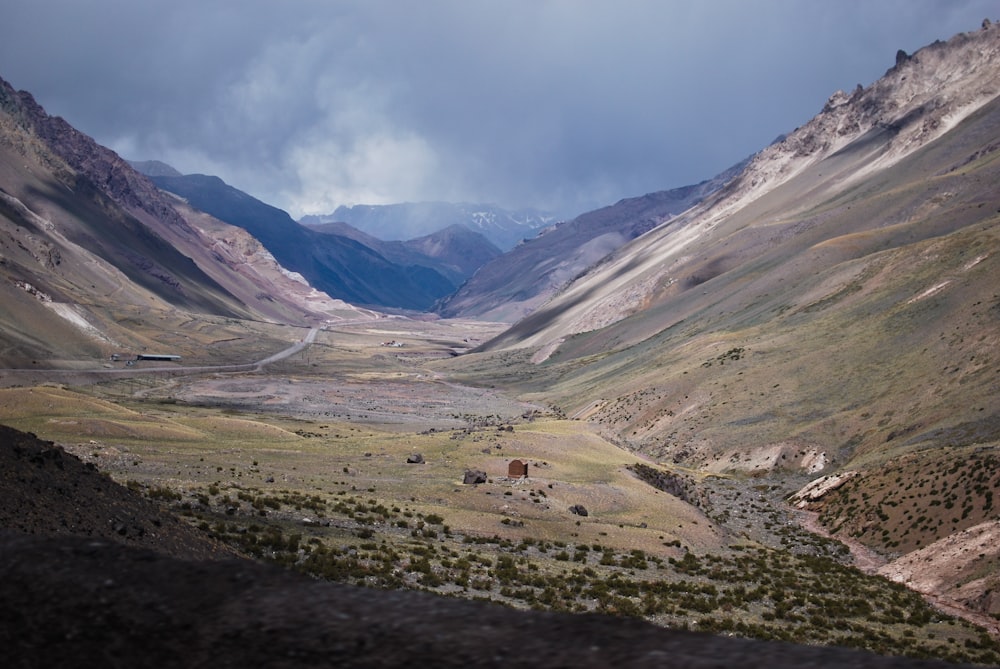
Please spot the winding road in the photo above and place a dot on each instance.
(290, 351)
(19, 377)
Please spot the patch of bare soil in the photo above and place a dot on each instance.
(863, 557)
(920, 571)
(950, 572)
(410, 401)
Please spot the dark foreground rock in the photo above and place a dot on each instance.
(77, 601)
(45, 490)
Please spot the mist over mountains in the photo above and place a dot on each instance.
(502, 227)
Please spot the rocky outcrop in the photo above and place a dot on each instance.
(474, 476)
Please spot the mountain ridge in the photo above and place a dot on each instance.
(515, 284)
(455, 251)
(850, 128)
(406, 220)
(88, 243)
(340, 266)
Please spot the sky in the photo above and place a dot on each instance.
(563, 105)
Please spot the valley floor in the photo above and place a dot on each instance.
(347, 459)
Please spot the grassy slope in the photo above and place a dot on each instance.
(841, 326)
(252, 478)
(822, 328)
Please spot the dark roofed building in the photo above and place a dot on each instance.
(517, 469)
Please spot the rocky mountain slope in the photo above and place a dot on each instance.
(833, 311)
(340, 266)
(455, 252)
(407, 220)
(517, 283)
(841, 154)
(88, 244)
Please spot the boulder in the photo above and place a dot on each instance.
(473, 476)
(579, 510)
(415, 459)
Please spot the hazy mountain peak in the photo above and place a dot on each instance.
(408, 220)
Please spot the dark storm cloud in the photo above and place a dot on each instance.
(562, 104)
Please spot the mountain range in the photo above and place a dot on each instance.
(88, 243)
(826, 312)
(832, 310)
(406, 220)
(518, 282)
(339, 265)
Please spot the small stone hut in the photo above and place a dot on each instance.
(517, 469)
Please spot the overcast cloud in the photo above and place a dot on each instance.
(560, 104)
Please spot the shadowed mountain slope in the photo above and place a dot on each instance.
(46, 491)
(90, 248)
(103, 207)
(342, 267)
(455, 252)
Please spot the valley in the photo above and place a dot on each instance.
(763, 406)
(309, 461)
